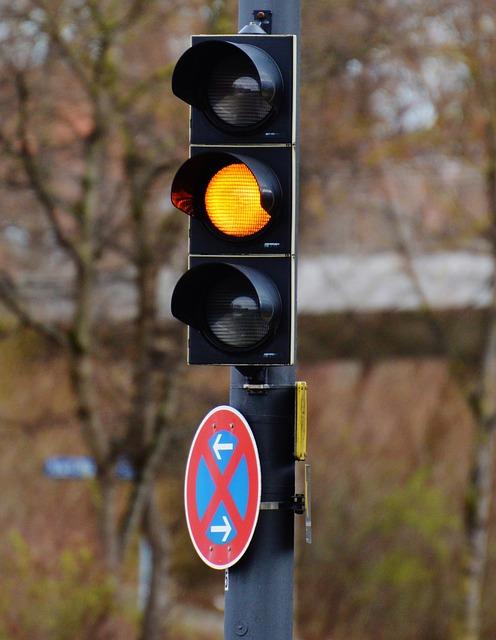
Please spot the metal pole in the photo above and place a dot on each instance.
(259, 588)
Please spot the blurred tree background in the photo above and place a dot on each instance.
(398, 157)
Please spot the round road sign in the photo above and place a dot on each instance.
(222, 487)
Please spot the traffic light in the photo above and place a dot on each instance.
(238, 188)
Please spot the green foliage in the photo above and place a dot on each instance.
(387, 559)
(412, 531)
(71, 599)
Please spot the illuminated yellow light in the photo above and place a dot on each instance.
(232, 202)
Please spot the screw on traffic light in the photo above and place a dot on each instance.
(238, 187)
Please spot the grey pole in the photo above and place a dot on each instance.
(259, 588)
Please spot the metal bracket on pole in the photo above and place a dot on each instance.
(257, 388)
(308, 504)
(261, 23)
(300, 504)
(264, 19)
(297, 504)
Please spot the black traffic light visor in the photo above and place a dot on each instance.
(193, 177)
(191, 295)
(193, 74)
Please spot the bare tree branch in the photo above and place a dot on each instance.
(127, 99)
(34, 173)
(160, 600)
(10, 297)
(405, 252)
(164, 434)
(135, 10)
(78, 60)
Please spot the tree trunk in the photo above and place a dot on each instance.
(108, 519)
(481, 495)
(160, 595)
(480, 490)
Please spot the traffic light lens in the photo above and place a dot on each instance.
(232, 202)
(233, 314)
(235, 95)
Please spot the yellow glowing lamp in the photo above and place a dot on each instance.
(233, 202)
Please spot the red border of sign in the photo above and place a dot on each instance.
(222, 556)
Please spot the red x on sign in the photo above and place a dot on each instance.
(222, 487)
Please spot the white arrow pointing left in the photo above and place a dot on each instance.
(219, 446)
(222, 528)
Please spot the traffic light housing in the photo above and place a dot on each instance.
(240, 88)
(238, 188)
(240, 200)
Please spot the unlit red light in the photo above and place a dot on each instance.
(232, 202)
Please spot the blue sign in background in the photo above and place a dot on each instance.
(78, 467)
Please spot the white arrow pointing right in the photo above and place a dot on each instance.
(222, 528)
